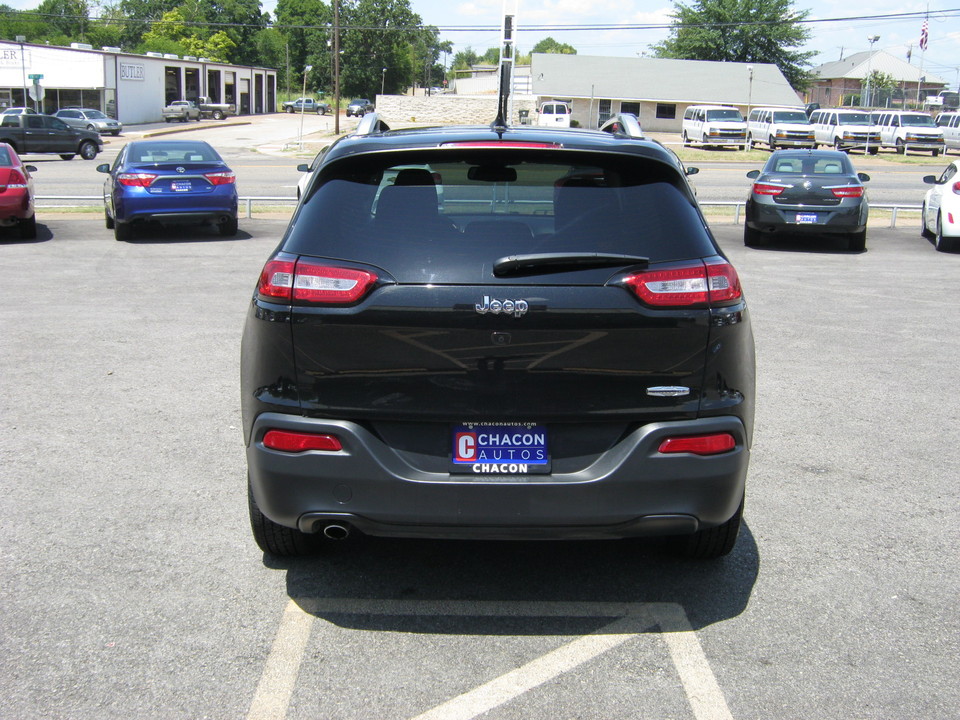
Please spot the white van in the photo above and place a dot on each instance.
(714, 125)
(949, 123)
(553, 114)
(910, 130)
(845, 129)
(779, 127)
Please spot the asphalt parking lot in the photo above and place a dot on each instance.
(131, 586)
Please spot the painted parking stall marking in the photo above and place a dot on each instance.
(629, 621)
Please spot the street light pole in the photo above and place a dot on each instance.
(303, 101)
(869, 99)
(746, 140)
(383, 80)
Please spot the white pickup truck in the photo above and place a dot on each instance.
(181, 110)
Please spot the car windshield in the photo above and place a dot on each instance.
(791, 116)
(918, 120)
(174, 152)
(5, 159)
(853, 119)
(724, 115)
(468, 208)
(95, 115)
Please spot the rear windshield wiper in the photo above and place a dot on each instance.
(559, 262)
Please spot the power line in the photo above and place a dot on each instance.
(491, 28)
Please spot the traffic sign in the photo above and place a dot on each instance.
(35, 77)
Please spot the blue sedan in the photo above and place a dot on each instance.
(169, 181)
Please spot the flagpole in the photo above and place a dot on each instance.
(924, 39)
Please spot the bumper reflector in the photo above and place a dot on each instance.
(294, 442)
(699, 444)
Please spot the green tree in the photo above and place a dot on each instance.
(549, 45)
(307, 40)
(757, 31)
(380, 34)
(67, 18)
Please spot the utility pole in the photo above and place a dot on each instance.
(336, 67)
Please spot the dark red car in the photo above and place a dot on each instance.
(16, 193)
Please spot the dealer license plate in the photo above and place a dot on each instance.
(806, 218)
(181, 186)
(500, 449)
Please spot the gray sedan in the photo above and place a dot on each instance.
(807, 192)
(89, 119)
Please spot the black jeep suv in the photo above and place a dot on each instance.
(492, 332)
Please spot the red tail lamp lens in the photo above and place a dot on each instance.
(136, 179)
(712, 282)
(845, 192)
(221, 178)
(699, 444)
(767, 189)
(287, 280)
(295, 442)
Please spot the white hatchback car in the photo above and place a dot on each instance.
(941, 209)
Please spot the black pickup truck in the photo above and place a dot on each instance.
(29, 134)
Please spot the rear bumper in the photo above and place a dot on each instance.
(772, 218)
(629, 490)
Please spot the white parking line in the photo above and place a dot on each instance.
(631, 620)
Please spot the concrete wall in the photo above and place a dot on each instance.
(448, 109)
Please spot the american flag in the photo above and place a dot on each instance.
(924, 36)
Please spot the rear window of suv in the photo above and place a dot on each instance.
(402, 210)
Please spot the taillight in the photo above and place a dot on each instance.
(850, 191)
(699, 444)
(295, 442)
(221, 178)
(767, 189)
(136, 179)
(311, 282)
(16, 180)
(714, 282)
(956, 188)
(276, 279)
(329, 284)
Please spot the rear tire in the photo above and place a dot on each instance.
(712, 543)
(278, 540)
(229, 227)
(28, 228)
(753, 238)
(121, 231)
(901, 148)
(858, 241)
(943, 244)
(217, 115)
(107, 220)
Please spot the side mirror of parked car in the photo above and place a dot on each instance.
(692, 170)
(753, 174)
(105, 168)
(303, 167)
(930, 179)
(31, 168)
(863, 177)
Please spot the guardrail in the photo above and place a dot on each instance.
(98, 200)
(737, 205)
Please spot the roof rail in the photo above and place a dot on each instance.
(371, 123)
(624, 125)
